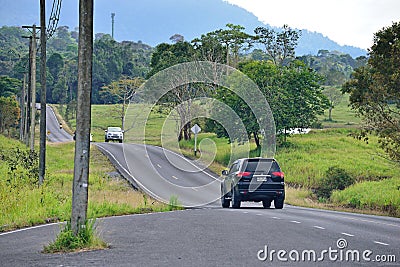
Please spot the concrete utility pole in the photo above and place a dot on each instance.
(32, 60)
(83, 116)
(42, 151)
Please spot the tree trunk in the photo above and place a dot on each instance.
(256, 139)
(186, 131)
(330, 113)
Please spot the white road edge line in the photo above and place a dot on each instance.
(347, 234)
(128, 173)
(30, 228)
(381, 243)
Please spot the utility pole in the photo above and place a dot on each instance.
(83, 116)
(32, 60)
(112, 24)
(23, 107)
(42, 151)
(27, 106)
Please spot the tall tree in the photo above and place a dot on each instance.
(374, 90)
(234, 40)
(293, 92)
(9, 86)
(121, 92)
(279, 46)
(167, 55)
(334, 97)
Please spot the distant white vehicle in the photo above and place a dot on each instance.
(296, 131)
(114, 134)
(299, 131)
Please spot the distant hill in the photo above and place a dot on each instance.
(154, 21)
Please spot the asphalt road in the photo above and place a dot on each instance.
(54, 133)
(221, 237)
(164, 174)
(209, 235)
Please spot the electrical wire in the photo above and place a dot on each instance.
(54, 18)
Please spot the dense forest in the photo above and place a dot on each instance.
(123, 61)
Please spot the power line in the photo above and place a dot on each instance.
(54, 18)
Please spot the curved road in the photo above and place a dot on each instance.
(54, 133)
(163, 174)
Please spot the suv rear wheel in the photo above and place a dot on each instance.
(225, 202)
(278, 202)
(235, 199)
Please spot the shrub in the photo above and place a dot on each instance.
(335, 179)
(23, 166)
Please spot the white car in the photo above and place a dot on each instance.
(114, 134)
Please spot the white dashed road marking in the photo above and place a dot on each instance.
(347, 234)
(295, 222)
(381, 243)
(319, 227)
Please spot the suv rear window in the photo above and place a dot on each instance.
(261, 165)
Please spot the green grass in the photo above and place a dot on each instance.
(86, 239)
(382, 195)
(26, 204)
(342, 116)
(308, 157)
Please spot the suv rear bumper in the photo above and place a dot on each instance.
(260, 194)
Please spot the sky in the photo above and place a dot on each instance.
(347, 22)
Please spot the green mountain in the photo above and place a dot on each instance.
(154, 21)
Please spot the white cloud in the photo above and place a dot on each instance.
(348, 22)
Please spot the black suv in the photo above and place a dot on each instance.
(253, 179)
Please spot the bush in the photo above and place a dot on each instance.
(23, 166)
(335, 179)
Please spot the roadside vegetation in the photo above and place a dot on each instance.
(23, 203)
(86, 239)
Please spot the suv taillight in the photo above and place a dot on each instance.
(279, 174)
(243, 174)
